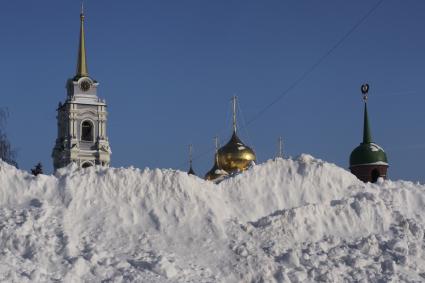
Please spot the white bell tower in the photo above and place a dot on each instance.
(81, 119)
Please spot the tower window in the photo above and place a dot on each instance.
(87, 131)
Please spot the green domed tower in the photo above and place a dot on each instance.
(368, 161)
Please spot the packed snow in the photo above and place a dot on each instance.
(285, 220)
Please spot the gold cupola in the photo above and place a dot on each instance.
(235, 156)
(215, 173)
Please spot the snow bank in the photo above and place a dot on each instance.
(300, 220)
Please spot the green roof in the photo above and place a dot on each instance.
(367, 152)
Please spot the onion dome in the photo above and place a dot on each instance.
(235, 155)
(215, 173)
(367, 153)
(212, 174)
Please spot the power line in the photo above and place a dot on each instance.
(308, 71)
(317, 63)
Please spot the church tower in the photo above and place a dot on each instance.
(81, 119)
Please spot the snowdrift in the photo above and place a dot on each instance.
(286, 220)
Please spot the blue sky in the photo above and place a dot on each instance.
(168, 70)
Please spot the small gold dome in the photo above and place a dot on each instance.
(214, 173)
(235, 156)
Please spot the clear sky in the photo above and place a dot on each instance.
(168, 70)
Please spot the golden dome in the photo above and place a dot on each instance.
(235, 156)
(214, 173)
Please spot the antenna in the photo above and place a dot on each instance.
(234, 113)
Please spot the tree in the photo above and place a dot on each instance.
(37, 170)
(7, 153)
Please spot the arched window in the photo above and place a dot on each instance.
(86, 165)
(87, 131)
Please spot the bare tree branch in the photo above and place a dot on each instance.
(7, 153)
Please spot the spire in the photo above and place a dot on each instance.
(191, 171)
(216, 149)
(234, 113)
(280, 148)
(367, 137)
(82, 70)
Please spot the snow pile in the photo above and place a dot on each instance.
(300, 220)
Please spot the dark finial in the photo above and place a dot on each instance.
(365, 90)
(367, 137)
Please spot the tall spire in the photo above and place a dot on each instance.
(82, 70)
(367, 137)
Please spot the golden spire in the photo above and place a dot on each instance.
(82, 70)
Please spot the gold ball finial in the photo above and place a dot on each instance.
(365, 90)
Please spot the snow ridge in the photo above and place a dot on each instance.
(301, 220)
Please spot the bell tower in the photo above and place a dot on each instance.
(81, 118)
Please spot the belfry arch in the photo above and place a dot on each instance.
(87, 131)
